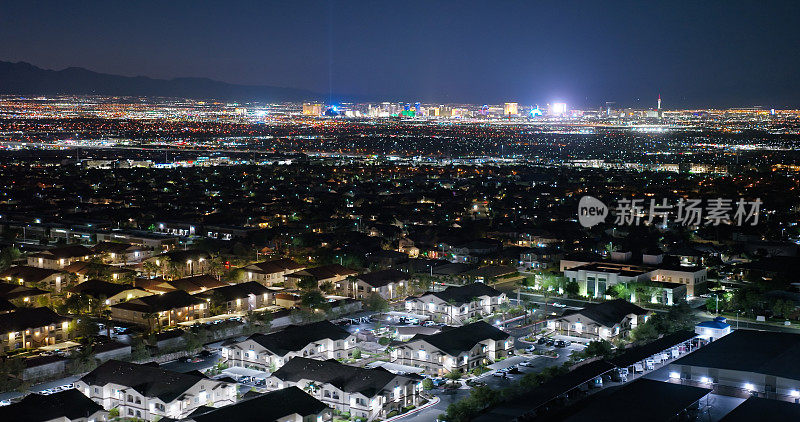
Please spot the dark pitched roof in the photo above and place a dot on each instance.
(114, 247)
(24, 318)
(97, 288)
(70, 251)
(466, 293)
(236, 291)
(12, 291)
(626, 403)
(148, 380)
(27, 273)
(197, 283)
(180, 256)
(324, 272)
(609, 313)
(71, 404)
(756, 409)
(6, 306)
(296, 337)
(464, 338)
(761, 352)
(158, 303)
(382, 278)
(270, 406)
(351, 379)
(277, 265)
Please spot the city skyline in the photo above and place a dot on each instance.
(580, 53)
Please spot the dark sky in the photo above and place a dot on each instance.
(715, 53)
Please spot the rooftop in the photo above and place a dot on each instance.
(761, 352)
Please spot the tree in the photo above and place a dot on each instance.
(427, 384)
(77, 304)
(217, 304)
(454, 375)
(598, 348)
(139, 351)
(307, 284)
(356, 353)
(327, 287)
(10, 373)
(149, 317)
(84, 328)
(313, 299)
(7, 257)
(572, 288)
(375, 302)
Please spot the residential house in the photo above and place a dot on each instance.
(23, 296)
(363, 393)
(462, 349)
(162, 309)
(109, 293)
(197, 284)
(290, 404)
(58, 258)
(181, 263)
(240, 297)
(26, 328)
(63, 406)
(318, 340)
(600, 321)
(151, 393)
(85, 270)
(270, 273)
(332, 273)
(121, 253)
(386, 283)
(456, 304)
(45, 278)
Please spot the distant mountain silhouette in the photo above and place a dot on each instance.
(26, 79)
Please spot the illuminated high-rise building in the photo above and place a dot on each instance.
(311, 109)
(511, 109)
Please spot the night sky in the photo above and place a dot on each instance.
(698, 53)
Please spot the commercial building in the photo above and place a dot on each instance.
(745, 362)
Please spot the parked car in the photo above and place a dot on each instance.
(499, 374)
(428, 323)
(530, 348)
(542, 340)
(560, 343)
(559, 305)
(527, 363)
(551, 342)
(476, 383)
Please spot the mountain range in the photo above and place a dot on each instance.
(23, 78)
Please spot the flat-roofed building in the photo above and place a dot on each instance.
(745, 362)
